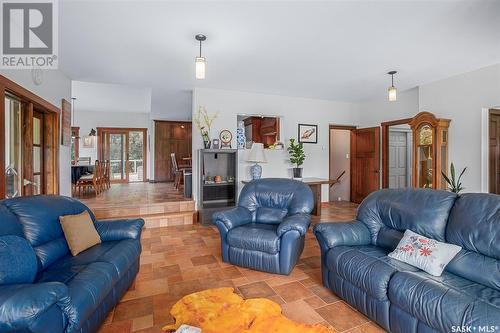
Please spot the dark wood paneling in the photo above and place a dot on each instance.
(494, 151)
(28, 148)
(170, 137)
(365, 162)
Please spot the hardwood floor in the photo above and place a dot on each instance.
(159, 204)
(133, 194)
(179, 260)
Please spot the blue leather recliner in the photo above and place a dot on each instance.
(266, 230)
(400, 297)
(43, 288)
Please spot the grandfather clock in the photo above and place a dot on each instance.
(430, 150)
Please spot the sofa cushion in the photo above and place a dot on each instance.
(292, 195)
(10, 225)
(17, 261)
(255, 237)
(388, 213)
(121, 254)
(270, 215)
(445, 301)
(425, 253)
(367, 267)
(39, 217)
(79, 232)
(474, 224)
(87, 284)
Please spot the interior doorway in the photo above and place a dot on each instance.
(363, 157)
(126, 150)
(400, 156)
(340, 162)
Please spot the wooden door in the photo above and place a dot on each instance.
(494, 152)
(365, 162)
(170, 137)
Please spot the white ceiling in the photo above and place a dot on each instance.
(92, 96)
(337, 50)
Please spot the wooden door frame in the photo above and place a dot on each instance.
(490, 112)
(330, 176)
(100, 142)
(385, 147)
(53, 120)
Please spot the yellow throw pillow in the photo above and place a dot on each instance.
(79, 231)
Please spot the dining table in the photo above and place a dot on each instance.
(78, 170)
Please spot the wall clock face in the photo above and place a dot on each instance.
(226, 136)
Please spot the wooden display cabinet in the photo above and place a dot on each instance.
(430, 150)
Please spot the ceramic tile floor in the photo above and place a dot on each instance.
(180, 260)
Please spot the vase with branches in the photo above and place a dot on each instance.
(297, 157)
(203, 122)
(454, 184)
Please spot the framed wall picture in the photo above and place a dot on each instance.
(308, 133)
(66, 123)
(88, 141)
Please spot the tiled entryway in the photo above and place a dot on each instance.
(179, 260)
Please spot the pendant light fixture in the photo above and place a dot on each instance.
(200, 62)
(92, 132)
(392, 90)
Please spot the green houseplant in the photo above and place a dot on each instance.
(454, 184)
(297, 157)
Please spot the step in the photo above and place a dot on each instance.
(163, 220)
(114, 211)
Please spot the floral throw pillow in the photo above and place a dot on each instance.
(425, 253)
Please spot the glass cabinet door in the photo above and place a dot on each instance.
(425, 172)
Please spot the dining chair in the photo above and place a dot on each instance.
(92, 180)
(178, 171)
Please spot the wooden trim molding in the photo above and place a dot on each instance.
(385, 147)
(32, 102)
(338, 127)
(2, 146)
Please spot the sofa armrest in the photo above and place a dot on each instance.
(233, 218)
(298, 222)
(341, 233)
(22, 304)
(114, 230)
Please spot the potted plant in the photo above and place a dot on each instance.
(204, 121)
(454, 185)
(297, 157)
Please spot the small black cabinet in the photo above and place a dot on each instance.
(218, 179)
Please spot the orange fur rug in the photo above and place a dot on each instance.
(221, 310)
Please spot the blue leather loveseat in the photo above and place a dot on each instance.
(43, 288)
(267, 230)
(400, 297)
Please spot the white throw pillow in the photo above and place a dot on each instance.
(425, 253)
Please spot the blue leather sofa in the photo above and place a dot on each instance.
(266, 230)
(400, 297)
(43, 288)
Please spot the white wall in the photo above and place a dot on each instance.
(93, 119)
(340, 148)
(56, 86)
(460, 98)
(293, 110)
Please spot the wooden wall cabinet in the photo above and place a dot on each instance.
(430, 150)
(170, 137)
